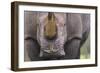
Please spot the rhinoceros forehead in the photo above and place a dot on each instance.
(60, 18)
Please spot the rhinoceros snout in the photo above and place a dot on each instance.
(52, 52)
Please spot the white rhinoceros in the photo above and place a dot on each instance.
(55, 35)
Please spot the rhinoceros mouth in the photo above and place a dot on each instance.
(51, 50)
(52, 54)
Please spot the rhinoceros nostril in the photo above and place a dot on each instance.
(50, 29)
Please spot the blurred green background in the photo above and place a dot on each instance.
(85, 49)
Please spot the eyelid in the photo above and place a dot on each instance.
(60, 18)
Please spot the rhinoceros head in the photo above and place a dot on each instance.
(51, 34)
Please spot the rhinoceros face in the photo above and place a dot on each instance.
(51, 34)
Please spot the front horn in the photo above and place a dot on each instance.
(50, 29)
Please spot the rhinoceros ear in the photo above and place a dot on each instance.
(50, 29)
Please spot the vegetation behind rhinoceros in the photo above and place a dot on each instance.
(85, 49)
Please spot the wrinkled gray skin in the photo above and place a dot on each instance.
(77, 30)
